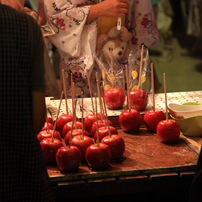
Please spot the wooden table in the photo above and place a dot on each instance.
(149, 165)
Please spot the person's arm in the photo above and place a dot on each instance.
(38, 110)
(16, 4)
(111, 8)
(34, 14)
(37, 75)
(41, 11)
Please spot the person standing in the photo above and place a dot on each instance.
(76, 26)
(23, 173)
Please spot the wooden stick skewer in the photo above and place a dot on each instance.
(65, 89)
(112, 68)
(82, 116)
(72, 93)
(99, 96)
(165, 92)
(74, 100)
(141, 63)
(97, 130)
(54, 127)
(105, 112)
(127, 83)
(73, 108)
(152, 85)
(90, 90)
(48, 129)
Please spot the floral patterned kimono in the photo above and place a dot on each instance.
(76, 40)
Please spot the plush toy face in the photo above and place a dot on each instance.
(114, 43)
(114, 48)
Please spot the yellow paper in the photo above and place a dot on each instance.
(106, 23)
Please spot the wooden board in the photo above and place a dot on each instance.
(144, 155)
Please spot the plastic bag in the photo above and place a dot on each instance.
(112, 73)
(135, 67)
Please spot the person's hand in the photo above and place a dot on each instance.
(113, 8)
(110, 8)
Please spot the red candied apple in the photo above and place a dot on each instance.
(100, 124)
(82, 142)
(75, 132)
(67, 127)
(101, 115)
(130, 120)
(50, 120)
(68, 158)
(48, 133)
(116, 144)
(89, 120)
(104, 131)
(62, 120)
(138, 99)
(168, 131)
(98, 156)
(114, 98)
(152, 118)
(49, 147)
(47, 126)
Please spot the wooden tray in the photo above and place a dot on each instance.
(144, 155)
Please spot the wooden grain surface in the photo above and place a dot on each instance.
(144, 155)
